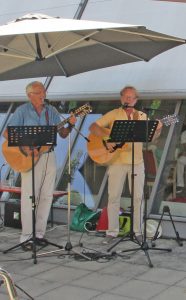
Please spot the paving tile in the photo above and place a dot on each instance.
(101, 282)
(181, 283)
(161, 275)
(120, 275)
(106, 296)
(68, 293)
(139, 289)
(172, 293)
(36, 287)
(124, 269)
(62, 274)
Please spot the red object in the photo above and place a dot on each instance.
(102, 224)
(150, 163)
(181, 200)
(17, 190)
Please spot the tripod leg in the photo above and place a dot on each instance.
(46, 242)
(166, 209)
(80, 243)
(180, 243)
(157, 232)
(14, 247)
(117, 242)
(145, 248)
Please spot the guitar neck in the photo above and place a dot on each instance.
(81, 111)
(62, 124)
(170, 119)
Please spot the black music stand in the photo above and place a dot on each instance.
(33, 137)
(134, 131)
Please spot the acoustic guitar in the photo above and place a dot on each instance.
(97, 147)
(21, 161)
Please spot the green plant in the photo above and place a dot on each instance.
(74, 164)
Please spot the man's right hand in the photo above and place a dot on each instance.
(110, 147)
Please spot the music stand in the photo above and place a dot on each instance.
(33, 137)
(133, 131)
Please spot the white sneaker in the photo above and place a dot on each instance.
(179, 189)
(39, 236)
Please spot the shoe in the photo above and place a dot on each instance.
(41, 242)
(108, 239)
(179, 189)
(39, 235)
(139, 239)
(27, 246)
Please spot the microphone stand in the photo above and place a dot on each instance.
(47, 101)
(4, 164)
(68, 247)
(145, 245)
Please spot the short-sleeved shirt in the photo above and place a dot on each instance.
(26, 115)
(123, 156)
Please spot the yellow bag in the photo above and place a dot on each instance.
(124, 225)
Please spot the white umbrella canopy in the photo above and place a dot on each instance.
(37, 45)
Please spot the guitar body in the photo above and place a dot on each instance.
(97, 151)
(19, 161)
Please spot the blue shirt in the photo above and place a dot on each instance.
(26, 115)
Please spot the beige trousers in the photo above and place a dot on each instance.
(45, 175)
(116, 179)
(181, 164)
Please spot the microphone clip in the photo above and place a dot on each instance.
(126, 105)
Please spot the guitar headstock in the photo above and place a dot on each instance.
(83, 110)
(170, 119)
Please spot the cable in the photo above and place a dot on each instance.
(42, 182)
(94, 256)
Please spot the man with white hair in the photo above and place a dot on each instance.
(37, 113)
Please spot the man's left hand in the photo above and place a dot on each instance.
(72, 119)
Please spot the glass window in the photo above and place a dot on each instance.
(171, 181)
(88, 180)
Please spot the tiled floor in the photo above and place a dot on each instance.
(100, 275)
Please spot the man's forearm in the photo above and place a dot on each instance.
(98, 130)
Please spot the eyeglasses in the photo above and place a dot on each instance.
(37, 93)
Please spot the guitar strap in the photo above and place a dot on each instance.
(47, 116)
(136, 115)
(47, 121)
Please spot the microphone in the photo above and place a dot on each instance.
(46, 101)
(125, 105)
